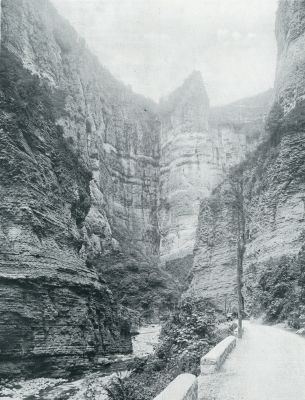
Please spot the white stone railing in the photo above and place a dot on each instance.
(214, 359)
(184, 387)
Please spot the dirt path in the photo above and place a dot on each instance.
(268, 364)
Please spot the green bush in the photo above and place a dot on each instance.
(26, 95)
(29, 112)
(127, 389)
(279, 294)
(188, 334)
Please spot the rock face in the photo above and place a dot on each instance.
(93, 178)
(290, 31)
(198, 146)
(272, 181)
(274, 210)
(184, 157)
(53, 305)
(79, 178)
(241, 126)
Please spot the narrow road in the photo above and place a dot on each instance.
(267, 364)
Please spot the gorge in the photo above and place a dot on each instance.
(113, 206)
(272, 190)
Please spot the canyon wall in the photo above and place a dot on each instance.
(271, 183)
(198, 147)
(79, 179)
(186, 152)
(96, 183)
(290, 32)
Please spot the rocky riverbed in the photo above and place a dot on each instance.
(92, 385)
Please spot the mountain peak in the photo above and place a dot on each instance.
(194, 83)
(191, 91)
(195, 76)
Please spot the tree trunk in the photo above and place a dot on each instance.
(239, 287)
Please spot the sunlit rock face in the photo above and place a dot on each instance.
(185, 154)
(198, 146)
(290, 31)
(115, 132)
(214, 266)
(241, 127)
(93, 178)
(78, 183)
(273, 181)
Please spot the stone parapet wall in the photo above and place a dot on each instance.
(215, 358)
(184, 387)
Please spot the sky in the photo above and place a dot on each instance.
(153, 45)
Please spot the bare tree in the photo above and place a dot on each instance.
(237, 206)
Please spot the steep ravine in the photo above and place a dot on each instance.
(272, 183)
(79, 177)
(199, 145)
(56, 313)
(100, 192)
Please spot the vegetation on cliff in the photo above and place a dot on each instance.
(272, 180)
(139, 284)
(277, 292)
(190, 332)
(64, 314)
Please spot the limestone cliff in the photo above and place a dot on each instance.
(241, 126)
(78, 182)
(272, 191)
(96, 182)
(198, 146)
(290, 74)
(184, 158)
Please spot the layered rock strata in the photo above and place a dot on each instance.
(79, 178)
(186, 151)
(87, 184)
(272, 181)
(290, 32)
(273, 188)
(198, 147)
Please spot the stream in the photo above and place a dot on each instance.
(91, 385)
(145, 342)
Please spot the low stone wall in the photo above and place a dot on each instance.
(214, 359)
(184, 387)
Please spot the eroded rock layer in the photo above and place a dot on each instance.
(53, 305)
(95, 183)
(273, 192)
(198, 147)
(272, 182)
(290, 32)
(79, 178)
(185, 153)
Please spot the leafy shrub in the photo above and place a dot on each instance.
(188, 334)
(29, 111)
(138, 284)
(280, 291)
(125, 389)
(26, 95)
